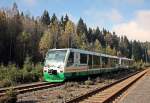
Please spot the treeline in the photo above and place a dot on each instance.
(24, 36)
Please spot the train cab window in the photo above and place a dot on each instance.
(70, 59)
(83, 59)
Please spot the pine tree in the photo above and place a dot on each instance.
(126, 47)
(136, 51)
(89, 35)
(81, 28)
(115, 41)
(81, 34)
(53, 18)
(45, 19)
(66, 19)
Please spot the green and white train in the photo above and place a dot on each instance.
(62, 64)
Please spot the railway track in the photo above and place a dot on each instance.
(109, 92)
(29, 87)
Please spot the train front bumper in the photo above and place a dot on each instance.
(59, 77)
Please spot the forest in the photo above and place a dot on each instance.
(23, 35)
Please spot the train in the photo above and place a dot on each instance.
(63, 64)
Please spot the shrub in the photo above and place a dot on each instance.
(28, 64)
(11, 74)
(37, 71)
(5, 83)
(27, 77)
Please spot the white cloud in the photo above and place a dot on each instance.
(136, 29)
(98, 18)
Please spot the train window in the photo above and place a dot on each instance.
(104, 62)
(96, 61)
(83, 59)
(70, 59)
(90, 61)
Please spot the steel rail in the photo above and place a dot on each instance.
(29, 87)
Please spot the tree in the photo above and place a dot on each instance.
(45, 19)
(22, 42)
(97, 32)
(115, 41)
(3, 37)
(81, 28)
(101, 39)
(62, 24)
(81, 31)
(136, 51)
(89, 35)
(46, 42)
(108, 39)
(14, 30)
(126, 47)
(15, 10)
(97, 46)
(66, 19)
(68, 35)
(110, 51)
(53, 18)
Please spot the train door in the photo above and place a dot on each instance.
(70, 61)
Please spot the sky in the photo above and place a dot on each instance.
(125, 17)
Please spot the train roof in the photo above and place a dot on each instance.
(91, 52)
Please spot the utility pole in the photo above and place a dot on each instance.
(146, 54)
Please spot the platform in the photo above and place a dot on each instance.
(139, 92)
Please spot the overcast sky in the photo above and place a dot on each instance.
(125, 17)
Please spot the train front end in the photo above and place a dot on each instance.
(54, 66)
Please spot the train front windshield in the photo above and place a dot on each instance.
(55, 57)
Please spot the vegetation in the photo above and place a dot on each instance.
(11, 75)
